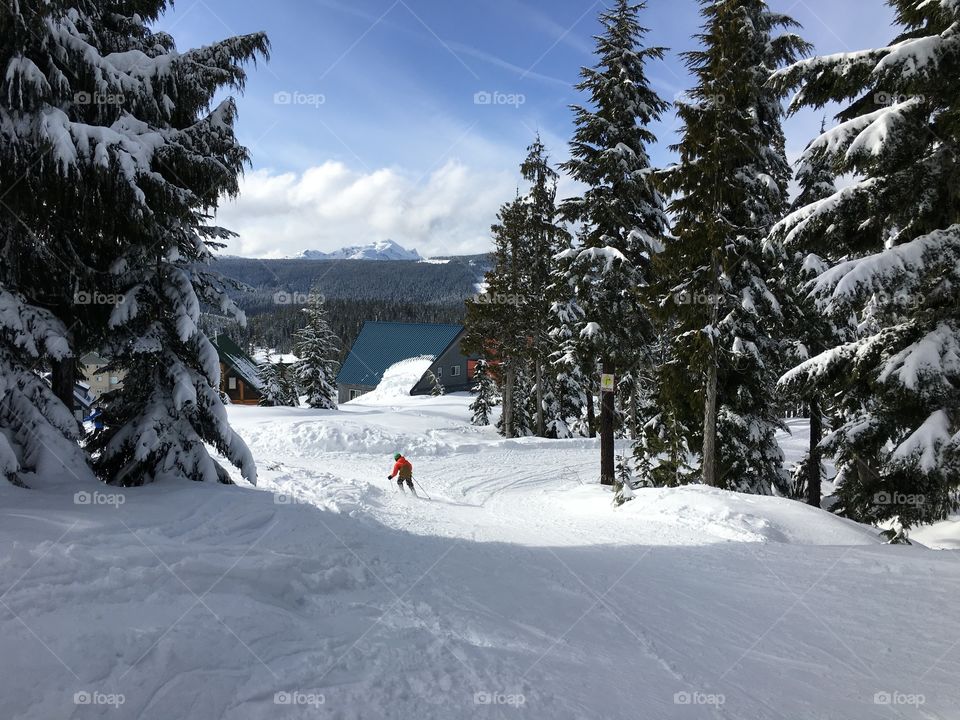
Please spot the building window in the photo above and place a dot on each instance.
(354, 394)
(114, 380)
(232, 383)
(455, 370)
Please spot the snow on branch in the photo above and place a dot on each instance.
(23, 74)
(916, 55)
(837, 76)
(32, 329)
(128, 142)
(864, 134)
(607, 254)
(796, 223)
(826, 69)
(902, 266)
(923, 447)
(829, 363)
(935, 355)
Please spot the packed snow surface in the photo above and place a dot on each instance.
(515, 591)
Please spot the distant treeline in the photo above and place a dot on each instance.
(275, 292)
(277, 282)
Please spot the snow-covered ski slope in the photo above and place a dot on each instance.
(515, 592)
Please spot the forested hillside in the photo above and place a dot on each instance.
(273, 293)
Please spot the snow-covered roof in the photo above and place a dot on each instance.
(261, 355)
(235, 358)
(382, 344)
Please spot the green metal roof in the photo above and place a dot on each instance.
(381, 344)
(237, 360)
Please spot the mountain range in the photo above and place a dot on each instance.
(379, 250)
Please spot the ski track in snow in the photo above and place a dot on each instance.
(515, 581)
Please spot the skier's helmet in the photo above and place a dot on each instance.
(397, 456)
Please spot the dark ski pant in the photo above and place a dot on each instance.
(408, 480)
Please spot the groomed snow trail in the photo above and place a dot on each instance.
(516, 591)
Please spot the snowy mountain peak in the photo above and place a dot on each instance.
(379, 250)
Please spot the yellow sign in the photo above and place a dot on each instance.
(606, 383)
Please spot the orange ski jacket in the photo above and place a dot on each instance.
(404, 468)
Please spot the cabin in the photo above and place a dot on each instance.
(99, 381)
(239, 379)
(381, 344)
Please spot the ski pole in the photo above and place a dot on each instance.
(421, 487)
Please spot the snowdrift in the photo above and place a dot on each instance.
(398, 380)
(745, 518)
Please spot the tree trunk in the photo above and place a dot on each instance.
(591, 416)
(508, 402)
(710, 426)
(634, 415)
(710, 393)
(63, 379)
(607, 466)
(541, 425)
(813, 458)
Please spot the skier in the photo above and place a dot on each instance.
(404, 472)
(96, 417)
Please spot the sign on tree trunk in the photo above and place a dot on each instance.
(606, 383)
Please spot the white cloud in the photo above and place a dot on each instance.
(329, 206)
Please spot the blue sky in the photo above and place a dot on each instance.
(364, 123)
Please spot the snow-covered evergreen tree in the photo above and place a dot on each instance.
(171, 157)
(666, 450)
(897, 383)
(436, 387)
(661, 453)
(729, 188)
(566, 361)
(808, 331)
(278, 387)
(101, 119)
(317, 347)
(485, 392)
(511, 318)
(643, 464)
(38, 434)
(64, 208)
(631, 405)
(558, 422)
(70, 144)
(623, 483)
(621, 213)
(524, 404)
(544, 239)
(493, 328)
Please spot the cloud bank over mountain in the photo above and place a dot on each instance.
(330, 206)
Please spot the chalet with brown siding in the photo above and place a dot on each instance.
(239, 380)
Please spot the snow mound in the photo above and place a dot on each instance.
(398, 380)
(314, 438)
(720, 515)
(943, 535)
